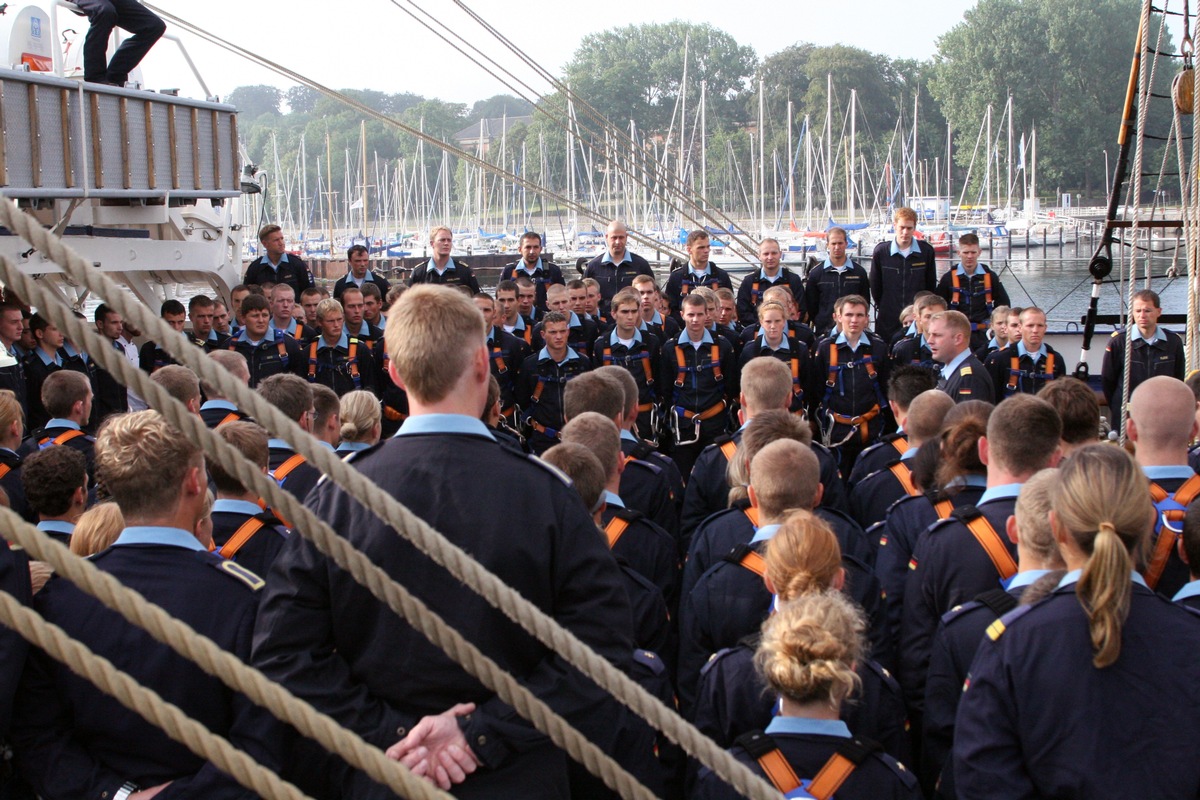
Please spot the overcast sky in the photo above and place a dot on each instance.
(373, 44)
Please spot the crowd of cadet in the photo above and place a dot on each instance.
(873, 559)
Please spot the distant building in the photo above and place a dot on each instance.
(487, 131)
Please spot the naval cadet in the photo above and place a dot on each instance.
(242, 530)
(699, 271)
(615, 268)
(774, 343)
(67, 396)
(283, 314)
(56, 486)
(294, 397)
(770, 273)
(327, 639)
(47, 357)
(1028, 364)
(899, 269)
(1156, 351)
(837, 277)
(336, 359)
(961, 376)
(973, 289)
(361, 419)
(904, 384)
(531, 265)
(12, 376)
(202, 313)
(1036, 719)
(544, 377)
(441, 268)
(639, 354)
(268, 352)
(276, 265)
(73, 740)
(217, 408)
(359, 273)
(151, 357)
(913, 349)
(507, 354)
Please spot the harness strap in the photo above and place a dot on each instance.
(944, 509)
(831, 777)
(4, 470)
(990, 541)
(754, 562)
(232, 416)
(904, 475)
(240, 537)
(614, 530)
(751, 513)
(728, 449)
(708, 413)
(62, 438)
(286, 468)
(1168, 534)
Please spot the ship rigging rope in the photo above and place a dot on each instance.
(433, 141)
(1135, 185)
(388, 509)
(128, 692)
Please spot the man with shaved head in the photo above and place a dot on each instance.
(1162, 421)
(615, 268)
(873, 495)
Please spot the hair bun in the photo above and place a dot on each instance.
(1106, 527)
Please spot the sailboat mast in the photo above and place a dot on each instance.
(850, 204)
(791, 183)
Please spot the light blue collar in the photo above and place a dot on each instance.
(352, 447)
(762, 275)
(574, 321)
(804, 725)
(657, 318)
(692, 271)
(1003, 492)
(56, 526)
(1038, 356)
(449, 266)
(611, 499)
(519, 325)
(763, 533)
(608, 259)
(536, 268)
(283, 259)
(959, 270)
(830, 265)
(59, 422)
(1168, 472)
(911, 452)
(370, 276)
(627, 436)
(279, 444)
(154, 534)
(954, 364)
(896, 251)
(841, 339)
(1191, 589)
(444, 423)
(1157, 337)
(229, 506)
(364, 329)
(57, 360)
(545, 354)
(244, 336)
(1023, 579)
(224, 405)
(343, 342)
(613, 338)
(685, 339)
(783, 345)
(1074, 575)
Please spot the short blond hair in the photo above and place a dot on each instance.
(432, 334)
(766, 384)
(97, 528)
(955, 321)
(178, 381)
(327, 305)
(599, 435)
(784, 474)
(434, 231)
(141, 462)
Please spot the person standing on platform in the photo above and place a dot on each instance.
(358, 262)
(973, 289)
(616, 267)
(276, 265)
(531, 265)
(702, 368)
(696, 273)
(441, 268)
(1156, 351)
(837, 277)
(899, 269)
(128, 15)
(1028, 364)
(771, 273)
(544, 377)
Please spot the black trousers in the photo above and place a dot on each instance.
(129, 15)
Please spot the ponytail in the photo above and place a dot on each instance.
(1104, 589)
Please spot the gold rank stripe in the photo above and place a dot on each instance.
(995, 630)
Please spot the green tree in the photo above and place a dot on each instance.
(500, 105)
(1065, 63)
(301, 99)
(254, 101)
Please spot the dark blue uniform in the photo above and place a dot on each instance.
(72, 740)
(681, 282)
(733, 699)
(276, 354)
(730, 601)
(646, 487)
(543, 389)
(267, 534)
(14, 579)
(615, 276)
(897, 538)
(1165, 356)
(65, 433)
(950, 567)
(328, 640)
(871, 497)
(968, 381)
(825, 285)
(581, 333)
(215, 412)
(958, 636)
(506, 353)
(1039, 720)
(37, 368)
(896, 279)
(848, 393)
(704, 380)
(347, 281)
(913, 351)
(291, 270)
(1014, 370)
(646, 547)
(796, 331)
(708, 490)
(808, 745)
(975, 295)
(642, 360)
(876, 457)
(1189, 596)
(456, 273)
(290, 469)
(544, 273)
(640, 450)
(755, 285)
(344, 367)
(10, 482)
(392, 399)
(797, 358)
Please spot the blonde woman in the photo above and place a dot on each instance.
(361, 419)
(1095, 691)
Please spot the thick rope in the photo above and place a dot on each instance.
(1135, 231)
(398, 598)
(454, 559)
(147, 703)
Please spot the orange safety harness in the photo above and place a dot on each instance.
(860, 421)
(280, 343)
(625, 361)
(240, 537)
(957, 301)
(1170, 507)
(62, 438)
(989, 540)
(828, 780)
(614, 530)
(686, 284)
(904, 475)
(1015, 372)
(351, 361)
(714, 364)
